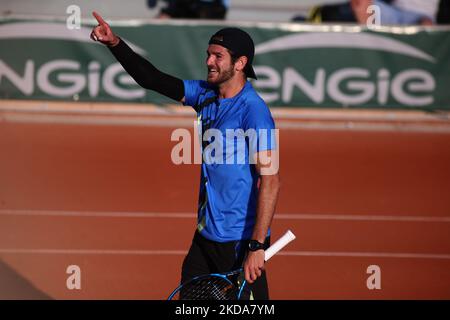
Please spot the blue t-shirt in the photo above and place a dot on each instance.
(234, 129)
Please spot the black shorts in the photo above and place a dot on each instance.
(206, 256)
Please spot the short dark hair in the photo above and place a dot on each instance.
(235, 57)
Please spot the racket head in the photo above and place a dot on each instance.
(215, 286)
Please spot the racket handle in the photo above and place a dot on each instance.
(279, 244)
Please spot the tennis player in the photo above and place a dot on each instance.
(236, 200)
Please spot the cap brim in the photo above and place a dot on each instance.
(251, 73)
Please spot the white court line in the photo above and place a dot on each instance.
(185, 215)
(188, 123)
(182, 215)
(350, 254)
(105, 109)
(94, 252)
(361, 217)
(366, 254)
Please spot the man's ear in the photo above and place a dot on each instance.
(240, 64)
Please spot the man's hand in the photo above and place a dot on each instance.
(254, 265)
(103, 32)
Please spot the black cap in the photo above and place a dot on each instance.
(240, 43)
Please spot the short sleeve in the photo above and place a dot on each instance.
(192, 91)
(260, 127)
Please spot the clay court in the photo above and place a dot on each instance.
(94, 186)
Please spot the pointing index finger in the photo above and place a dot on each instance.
(99, 18)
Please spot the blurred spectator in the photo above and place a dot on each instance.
(443, 16)
(398, 12)
(341, 12)
(193, 9)
(151, 3)
(392, 12)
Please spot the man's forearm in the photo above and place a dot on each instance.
(267, 200)
(146, 74)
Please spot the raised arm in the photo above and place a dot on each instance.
(140, 69)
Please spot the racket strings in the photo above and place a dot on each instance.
(211, 288)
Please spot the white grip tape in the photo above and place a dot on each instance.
(279, 244)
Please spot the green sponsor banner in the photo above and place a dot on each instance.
(297, 65)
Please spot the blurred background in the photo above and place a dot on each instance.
(237, 10)
(92, 206)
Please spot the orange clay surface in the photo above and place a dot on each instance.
(108, 199)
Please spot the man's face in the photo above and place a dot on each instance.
(220, 67)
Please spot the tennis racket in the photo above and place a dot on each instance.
(223, 286)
